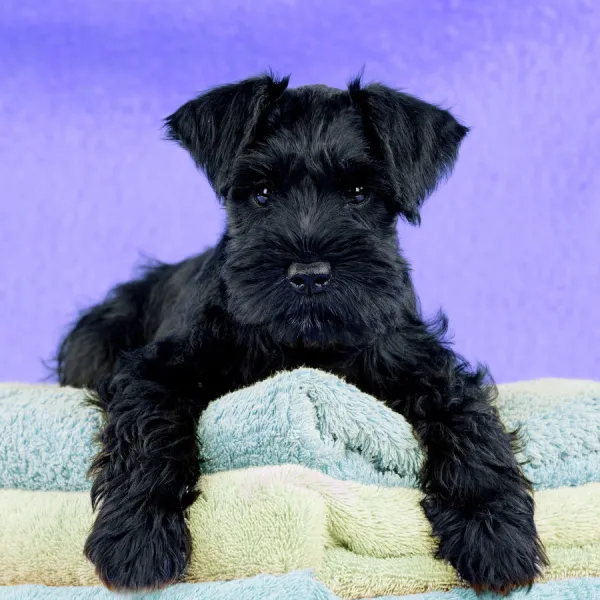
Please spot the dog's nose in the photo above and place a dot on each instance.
(309, 278)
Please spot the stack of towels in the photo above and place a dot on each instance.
(309, 493)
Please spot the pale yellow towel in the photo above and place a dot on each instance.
(360, 540)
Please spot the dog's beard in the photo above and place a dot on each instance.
(316, 321)
(359, 304)
(291, 319)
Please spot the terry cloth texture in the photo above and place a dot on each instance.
(299, 585)
(360, 540)
(320, 443)
(303, 417)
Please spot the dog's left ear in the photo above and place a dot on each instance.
(419, 141)
(217, 125)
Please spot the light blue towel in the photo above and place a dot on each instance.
(302, 417)
(299, 585)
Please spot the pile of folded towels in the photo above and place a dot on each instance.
(309, 493)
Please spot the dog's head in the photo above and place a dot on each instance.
(313, 180)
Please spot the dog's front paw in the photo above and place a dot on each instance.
(133, 552)
(496, 549)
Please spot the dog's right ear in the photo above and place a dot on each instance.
(217, 125)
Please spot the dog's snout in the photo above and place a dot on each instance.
(309, 278)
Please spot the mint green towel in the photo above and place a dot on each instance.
(303, 417)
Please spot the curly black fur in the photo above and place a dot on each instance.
(307, 174)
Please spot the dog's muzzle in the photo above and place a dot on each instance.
(309, 279)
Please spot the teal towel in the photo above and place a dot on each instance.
(304, 417)
(299, 585)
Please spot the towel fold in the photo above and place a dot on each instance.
(303, 417)
(359, 540)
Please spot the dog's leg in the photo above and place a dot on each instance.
(477, 499)
(147, 469)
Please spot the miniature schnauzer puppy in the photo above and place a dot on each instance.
(308, 272)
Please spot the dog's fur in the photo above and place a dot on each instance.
(340, 167)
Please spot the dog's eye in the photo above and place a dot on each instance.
(261, 196)
(357, 194)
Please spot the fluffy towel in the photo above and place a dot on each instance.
(360, 540)
(304, 417)
(299, 585)
(313, 419)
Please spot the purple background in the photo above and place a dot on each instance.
(510, 247)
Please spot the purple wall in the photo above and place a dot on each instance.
(510, 247)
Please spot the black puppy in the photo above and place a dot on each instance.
(308, 272)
